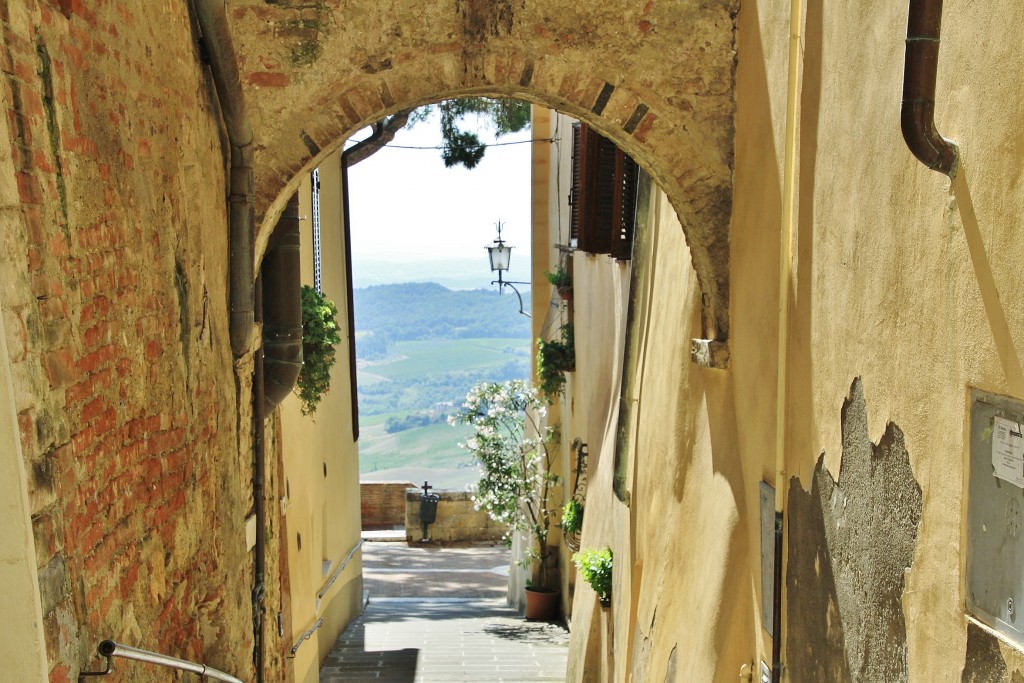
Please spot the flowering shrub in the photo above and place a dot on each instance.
(510, 443)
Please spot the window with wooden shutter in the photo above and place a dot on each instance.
(574, 192)
(604, 182)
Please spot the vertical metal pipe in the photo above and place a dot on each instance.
(917, 117)
(224, 69)
(216, 39)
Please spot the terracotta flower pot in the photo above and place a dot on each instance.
(542, 605)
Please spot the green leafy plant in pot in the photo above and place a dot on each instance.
(319, 337)
(513, 447)
(554, 358)
(561, 280)
(596, 568)
(572, 523)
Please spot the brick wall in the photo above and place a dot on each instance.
(383, 503)
(113, 262)
(457, 520)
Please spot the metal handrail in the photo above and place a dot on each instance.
(109, 649)
(337, 572)
(307, 635)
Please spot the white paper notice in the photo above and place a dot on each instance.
(1008, 451)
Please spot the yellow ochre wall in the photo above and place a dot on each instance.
(321, 462)
(903, 279)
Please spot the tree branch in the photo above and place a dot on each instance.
(392, 125)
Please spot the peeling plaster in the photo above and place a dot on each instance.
(850, 544)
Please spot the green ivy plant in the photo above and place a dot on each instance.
(513, 447)
(572, 517)
(554, 359)
(319, 337)
(560, 279)
(596, 567)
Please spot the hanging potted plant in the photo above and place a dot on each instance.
(561, 280)
(555, 357)
(513, 448)
(596, 568)
(319, 337)
(572, 523)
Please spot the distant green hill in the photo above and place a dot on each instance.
(418, 311)
(416, 376)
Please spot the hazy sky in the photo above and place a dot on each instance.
(406, 206)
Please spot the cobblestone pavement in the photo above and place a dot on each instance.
(439, 614)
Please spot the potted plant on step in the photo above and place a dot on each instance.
(513, 447)
(596, 567)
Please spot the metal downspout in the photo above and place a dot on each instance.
(785, 278)
(378, 130)
(216, 39)
(217, 42)
(917, 117)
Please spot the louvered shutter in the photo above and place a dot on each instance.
(574, 192)
(603, 195)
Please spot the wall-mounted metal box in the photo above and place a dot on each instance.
(995, 547)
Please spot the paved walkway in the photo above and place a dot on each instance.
(439, 614)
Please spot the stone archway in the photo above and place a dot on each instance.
(658, 79)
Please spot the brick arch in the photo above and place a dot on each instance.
(657, 82)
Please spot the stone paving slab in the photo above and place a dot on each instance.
(400, 571)
(438, 615)
(429, 640)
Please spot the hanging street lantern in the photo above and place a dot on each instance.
(500, 255)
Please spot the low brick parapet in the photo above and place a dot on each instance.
(383, 503)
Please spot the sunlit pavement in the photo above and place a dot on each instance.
(439, 614)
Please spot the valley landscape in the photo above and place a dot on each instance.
(420, 347)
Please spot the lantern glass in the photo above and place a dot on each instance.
(500, 256)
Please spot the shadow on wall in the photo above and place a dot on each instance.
(849, 545)
(987, 284)
(984, 662)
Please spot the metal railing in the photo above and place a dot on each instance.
(337, 572)
(109, 649)
(307, 635)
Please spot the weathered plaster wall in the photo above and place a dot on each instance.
(113, 261)
(321, 464)
(677, 612)
(900, 279)
(600, 284)
(850, 542)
